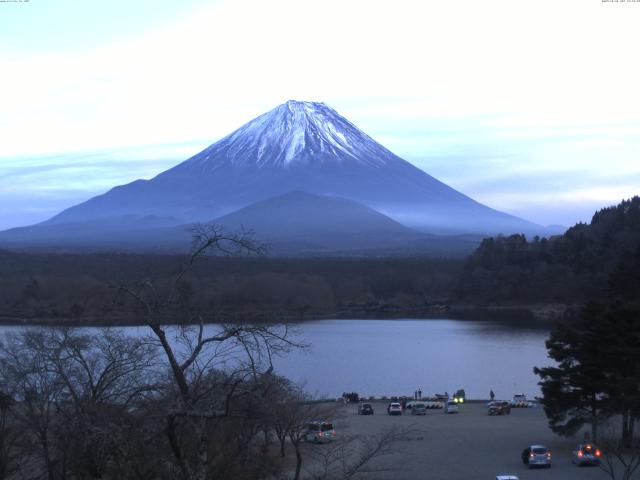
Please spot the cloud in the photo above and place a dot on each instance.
(236, 59)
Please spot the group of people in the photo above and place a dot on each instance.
(350, 397)
(417, 395)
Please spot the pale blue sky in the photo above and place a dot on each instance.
(529, 107)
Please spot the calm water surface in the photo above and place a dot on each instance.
(396, 357)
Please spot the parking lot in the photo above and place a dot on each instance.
(468, 445)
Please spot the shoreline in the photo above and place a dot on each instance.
(516, 315)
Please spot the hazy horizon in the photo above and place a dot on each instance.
(520, 107)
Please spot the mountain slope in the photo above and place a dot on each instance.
(298, 146)
(126, 232)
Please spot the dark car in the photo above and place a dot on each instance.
(586, 454)
(499, 407)
(460, 396)
(365, 409)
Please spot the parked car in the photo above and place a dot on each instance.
(520, 401)
(586, 454)
(320, 432)
(460, 396)
(418, 408)
(536, 456)
(506, 477)
(365, 409)
(451, 407)
(394, 408)
(499, 407)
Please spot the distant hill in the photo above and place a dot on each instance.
(297, 223)
(300, 221)
(564, 268)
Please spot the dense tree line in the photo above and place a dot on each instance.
(78, 288)
(568, 268)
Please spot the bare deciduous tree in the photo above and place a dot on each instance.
(10, 436)
(244, 351)
(74, 392)
(620, 457)
(38, 390)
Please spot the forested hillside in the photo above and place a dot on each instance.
(80, 288)
(569, 268)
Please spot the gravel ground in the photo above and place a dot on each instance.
(468, 445)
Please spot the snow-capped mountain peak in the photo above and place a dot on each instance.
(297, 147)
(295, 132)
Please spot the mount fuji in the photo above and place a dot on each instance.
(296, 147)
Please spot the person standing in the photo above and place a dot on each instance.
(419, 394)
(492, 395)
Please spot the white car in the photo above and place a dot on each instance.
(521, 401)
(451, 407)
(506, 477)
(394, 408)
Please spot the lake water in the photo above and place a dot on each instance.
(396, 357)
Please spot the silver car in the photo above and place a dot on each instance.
(418, 408)
(451, 407)
(537, 456)
(394, 408)
(320, 432)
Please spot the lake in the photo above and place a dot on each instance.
(396, 357)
